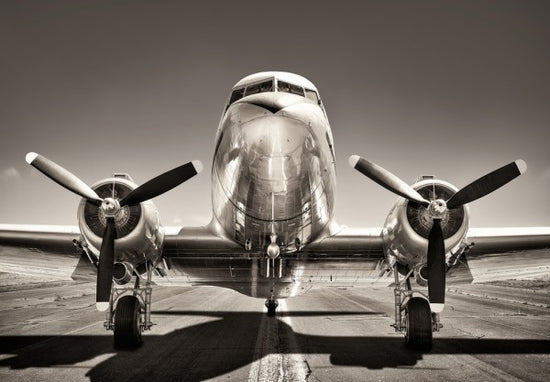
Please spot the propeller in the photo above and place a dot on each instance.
(437, 209)
(110, 207)
(105, 267)
(386, 179)
(63, 177)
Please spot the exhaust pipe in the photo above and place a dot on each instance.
(123, 272)
(421, 275)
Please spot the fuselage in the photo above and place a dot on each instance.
(273, 233)
(273, 170)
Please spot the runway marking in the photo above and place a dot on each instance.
(276, 355)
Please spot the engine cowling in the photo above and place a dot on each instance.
(139, 235)
(406, 230)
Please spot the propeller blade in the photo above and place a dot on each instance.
(162, 183)
(436, 267)
(386, 179)
(105, 268)
(62, 176)
(487, 184)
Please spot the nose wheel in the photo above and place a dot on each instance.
(128, 323)
(271, 305)
(413, 316)
(418, 324)
(129, 312)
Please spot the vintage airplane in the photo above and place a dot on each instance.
(273, 233)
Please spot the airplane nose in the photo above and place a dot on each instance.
(277, 160)
(274, 137)
(268, 164)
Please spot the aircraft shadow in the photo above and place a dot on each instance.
(227, 343)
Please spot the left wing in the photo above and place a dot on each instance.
(508, 253)
(40, 250)
(507, 239)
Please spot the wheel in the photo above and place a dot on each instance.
(127, 319)
(418, 322)
(271, 308)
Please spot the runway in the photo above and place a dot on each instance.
(490, 333)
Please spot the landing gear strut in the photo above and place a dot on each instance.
(271, 305)
(129, 312)
(413, 315)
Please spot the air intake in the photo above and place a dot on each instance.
(125, 221)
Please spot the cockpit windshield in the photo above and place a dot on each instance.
(262, 87)
(289, 88)
(269, 86)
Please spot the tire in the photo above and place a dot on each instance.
(127, 317)
(271, 309)
(418, 320)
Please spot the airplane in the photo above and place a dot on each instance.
(273, 233)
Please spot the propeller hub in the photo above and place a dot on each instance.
(110, 207)
(437, 209)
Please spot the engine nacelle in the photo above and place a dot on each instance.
(139, 235)
(408, 225)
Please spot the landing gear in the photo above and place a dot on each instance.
(128, 323)
(129, 312)
(418, 324)
(413, 315)
(271, 305)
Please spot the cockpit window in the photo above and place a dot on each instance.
(266, 86)
(289, 88)
(236, 95)
(312, 96)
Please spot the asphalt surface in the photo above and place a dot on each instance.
(490, 333)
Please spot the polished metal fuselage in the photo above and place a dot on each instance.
(273, 171)
(273, 181)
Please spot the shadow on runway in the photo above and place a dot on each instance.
(303, 313)
(227, 343)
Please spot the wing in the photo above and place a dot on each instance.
(349, 257)
(41, 251)
(507, 239)
(505, 253)
(202, 255)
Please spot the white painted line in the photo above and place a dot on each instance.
(271, 363)
(294, 362)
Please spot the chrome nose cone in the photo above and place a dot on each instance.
(274, 136)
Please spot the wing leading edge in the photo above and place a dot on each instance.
(507, 239)
(202, 255)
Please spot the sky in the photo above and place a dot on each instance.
(451, 88)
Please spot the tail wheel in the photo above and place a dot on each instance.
(127, 323)
(418, 321)
(271, 309)
(271, 306)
